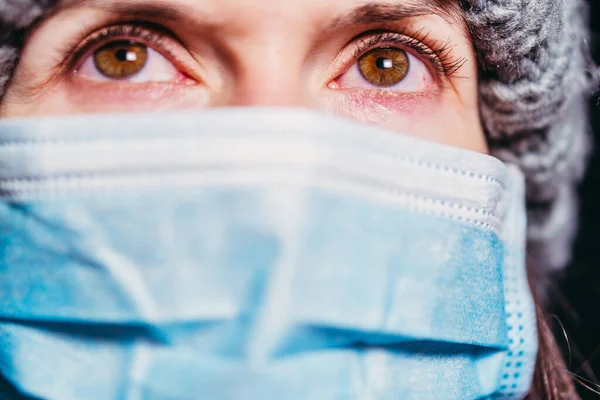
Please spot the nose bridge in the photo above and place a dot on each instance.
(271, 72)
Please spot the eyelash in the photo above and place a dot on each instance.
(439, 54)
(152, 36)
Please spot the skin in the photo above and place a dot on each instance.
(215, 53)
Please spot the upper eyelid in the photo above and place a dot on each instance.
(372, 39)
(438, 54)
(150, 34)
(381, 39)
(114, 32)
(154, 36)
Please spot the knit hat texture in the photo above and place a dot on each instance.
(536, 76)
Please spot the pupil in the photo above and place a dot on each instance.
(384, 63)
(121, 55)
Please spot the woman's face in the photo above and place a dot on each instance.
(407, 65)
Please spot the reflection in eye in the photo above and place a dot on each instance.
(120, 60)
(128, 61)
(384, 67)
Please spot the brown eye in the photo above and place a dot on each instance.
(119, 60)
(384, 67)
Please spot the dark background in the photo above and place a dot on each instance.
(576, 306)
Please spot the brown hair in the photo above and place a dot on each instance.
(551, 380)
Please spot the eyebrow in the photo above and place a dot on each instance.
(148, 9)
(374, 12)
(369, 13)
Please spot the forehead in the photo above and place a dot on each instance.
(257, 12)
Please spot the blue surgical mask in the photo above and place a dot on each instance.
(257, 254)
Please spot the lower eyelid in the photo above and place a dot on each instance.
(379, 106)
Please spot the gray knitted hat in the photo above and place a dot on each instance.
(536, 76)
